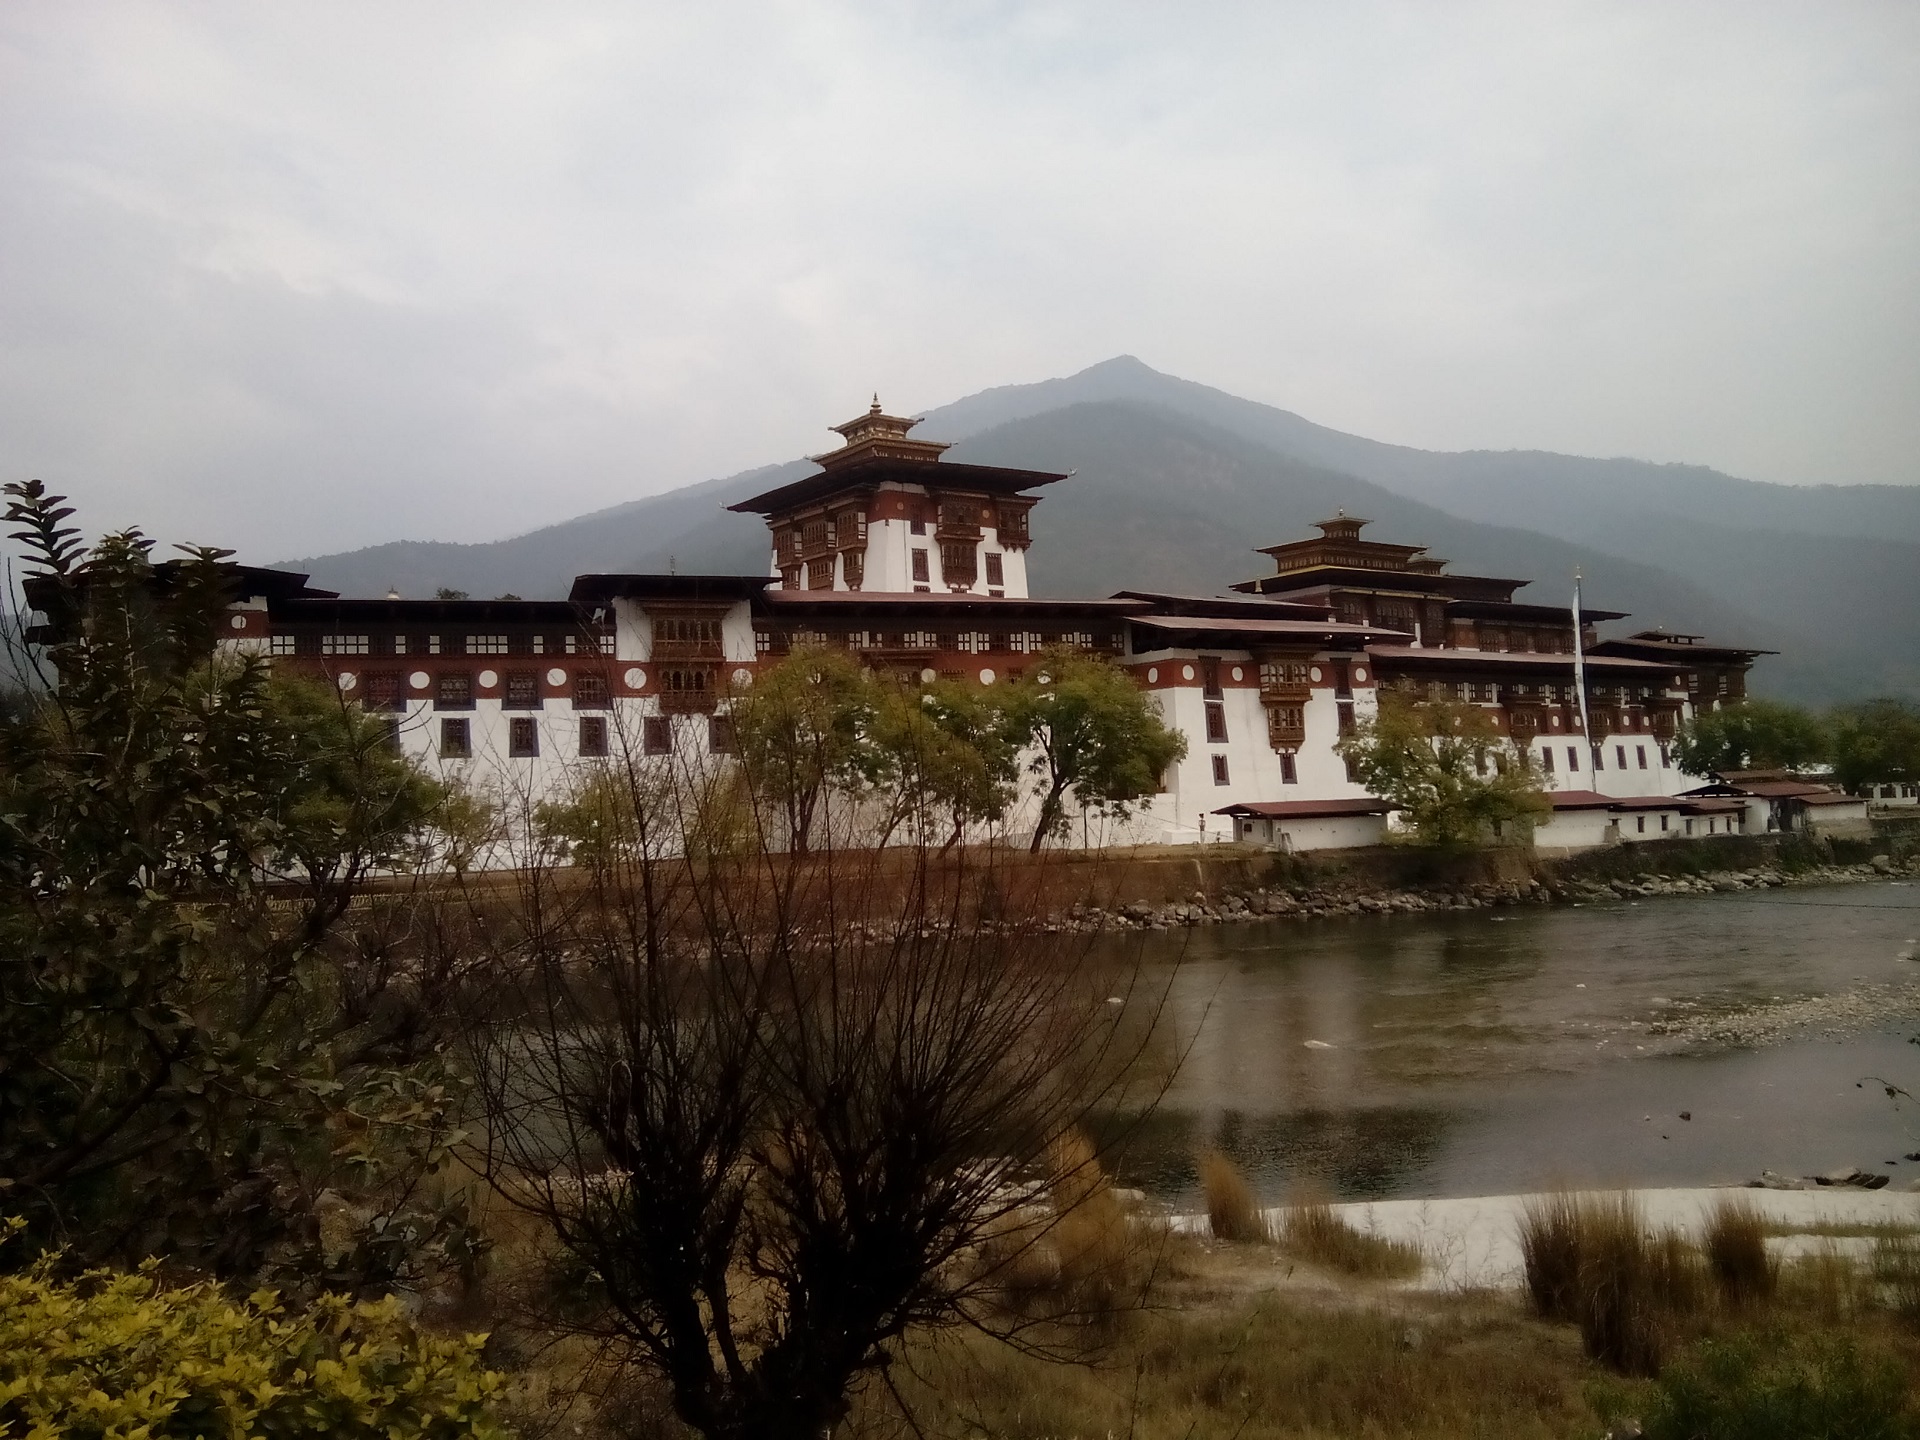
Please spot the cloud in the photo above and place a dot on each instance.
(303, 277)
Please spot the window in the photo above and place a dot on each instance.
(996, 570)
(1619, 757)
(453, 691)
(1210, 679)
(1663, 822)
(956, 562)
(1289, 771)
(1546, 759)
(1640, 824)
(820, 573)
(919, 527)
(1598, 762)
(720, 734)
(686, 630)
(281, 645)
(523, 691)
(456, 742)
(382, 691)
(853, 564)
(1573, 759)
(656, 735)
(1344, 710)
(433, 644)
(919, 558)
(1666, 758)
(343, 644)
(523, 736)
(1220, 770)
(593, 736)
(1640, 754)
(589, 689)
(1689, 827)
(605, 645)
(539, 645)
(1216, 723)
(486, 644)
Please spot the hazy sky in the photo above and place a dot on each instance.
(298, 277)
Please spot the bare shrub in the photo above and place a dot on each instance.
(1550, 1236)
(775, 1109)
(1736, 1249)
(1233, 1211)
(1618, 1307)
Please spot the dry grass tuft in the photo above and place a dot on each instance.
(1678, 1277)
(1550, 1248)
(1311, 1230)
(1827, 1284)
(1618, 1305)
(1233, 1211)
(1736, 1248)
(1896, 1271)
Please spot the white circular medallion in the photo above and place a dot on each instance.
(635, 678)
(1314, 673)
(1153, 675)
(347, 681)
(743, 677)
(1186, 672)
(987, 677)
(1238, 674)
(419, 679)
(555, 676)
(1359, 674)
(488, 679)
(927, 677)
(239, 622)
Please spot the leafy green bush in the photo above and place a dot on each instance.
(112, 1354)
(1764, 1387)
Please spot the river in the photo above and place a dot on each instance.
(1490, 1051)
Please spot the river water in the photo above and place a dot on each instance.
(1492, 1051)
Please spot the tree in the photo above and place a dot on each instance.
(774, 1114)
(805, 730)
(1092, 731)
(952, 761)
(193, 1041)
(1446, 765)
(1753, 735)
(1874, 742)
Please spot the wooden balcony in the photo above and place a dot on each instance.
(687, 650)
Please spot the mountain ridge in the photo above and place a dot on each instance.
(1705, 546)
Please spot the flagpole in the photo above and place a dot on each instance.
(1580, 667)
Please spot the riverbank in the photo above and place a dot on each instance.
(1473, 1242)
(1363, 885)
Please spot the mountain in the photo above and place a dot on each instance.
(1175, 483)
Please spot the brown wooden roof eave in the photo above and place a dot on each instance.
(598, 589)
(367, 611)
(1467, 659)
(934, 474)
(837, 603)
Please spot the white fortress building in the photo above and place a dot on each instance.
(919, 566)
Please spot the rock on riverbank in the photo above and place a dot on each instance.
(1322, 902)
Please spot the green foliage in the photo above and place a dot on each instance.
(1875, 742)
(806, 729)
(1447, 767)
(1769, 1387)
(112, 1354)
(189, 1051)
(953, 761)
(1093, 732)
(1753, 735)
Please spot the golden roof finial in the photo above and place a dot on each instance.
(876, 404)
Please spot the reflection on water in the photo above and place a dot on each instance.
(1408, 1055)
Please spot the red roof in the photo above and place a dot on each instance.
(1307, 809)
(1681, 804)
